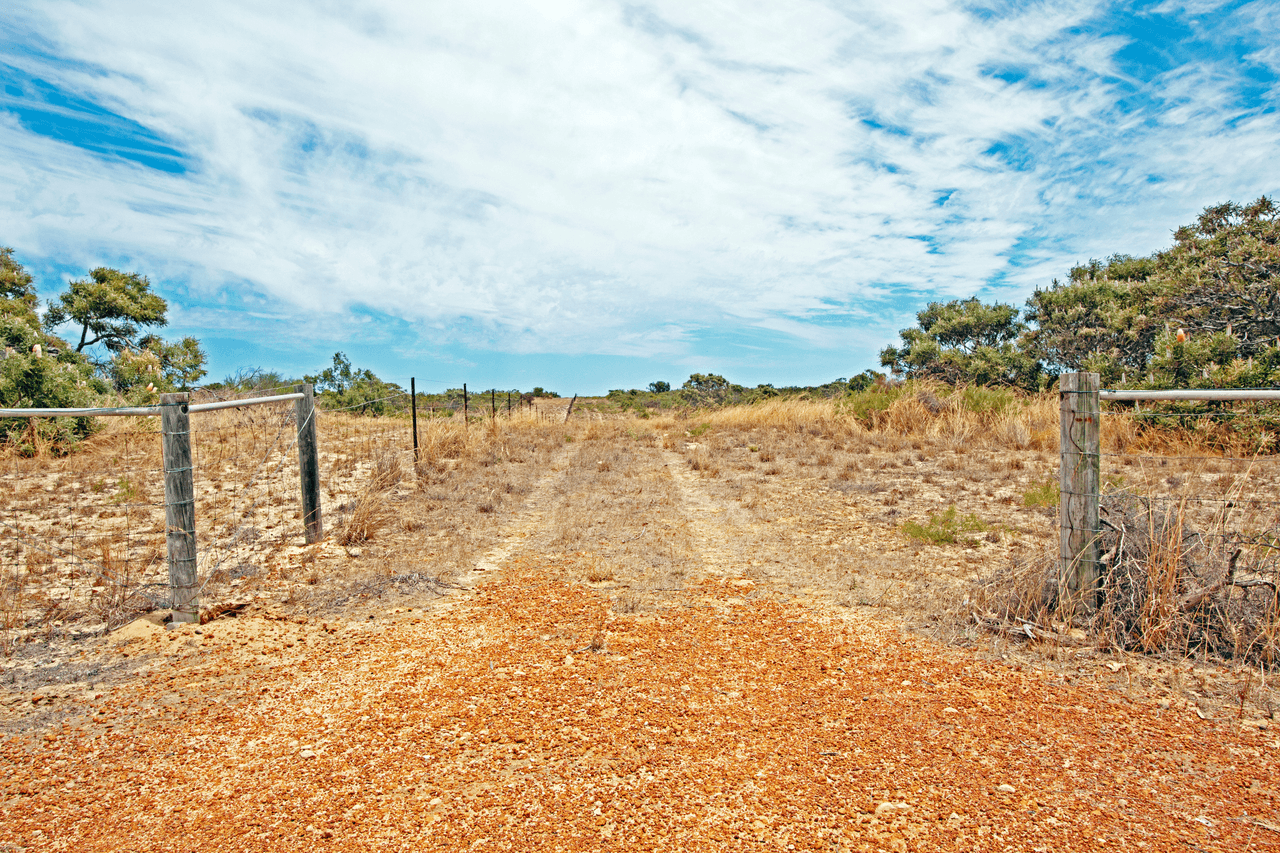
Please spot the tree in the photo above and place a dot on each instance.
(17, 290)
(162, 365)
(965, 340)
(111, 306)
(1219, 283)
(659, 387)
(708, 388)
(38, 371)
(866, 379)
(345, 387)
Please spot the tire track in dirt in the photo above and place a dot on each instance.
(516, 533)
(707, 518)
(710, 722)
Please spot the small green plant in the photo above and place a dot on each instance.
(700, 429)
(946, 528)
(128, 491)
(753, 447)
(98, 487)
(1041, 495)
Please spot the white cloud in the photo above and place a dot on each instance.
(605, 177)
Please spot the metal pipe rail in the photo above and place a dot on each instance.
(144, 411)
(1207, 394)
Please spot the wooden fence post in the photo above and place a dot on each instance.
(413, 395)
(309, 465)
(493, 404)
(1080, 453)
(180, 507)
(570, 411)
(464, 404)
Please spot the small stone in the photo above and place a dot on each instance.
(891, 808)
(306, 753)
(1007, 789)
(1164, 704)
(568, 660)
(949, 710)
(954, 816)
(435, 801)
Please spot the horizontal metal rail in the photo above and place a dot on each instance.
(127, 411)
(1208, 394)
(235, 404)
(143, 411)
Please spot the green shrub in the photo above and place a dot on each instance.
(1041, 495)
(945, 528)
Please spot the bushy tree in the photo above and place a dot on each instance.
(110, 305)
(157, 366)
(659, 387)
(702, 389)
(342, 386)
(1219, 284)
(37, 370)
(965, 341)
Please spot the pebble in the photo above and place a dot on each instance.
(1007, 789)
(306, 753)
(891, 808)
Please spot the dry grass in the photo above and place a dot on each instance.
(82, 537)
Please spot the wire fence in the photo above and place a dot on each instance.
(83, 538)
(1165, 543)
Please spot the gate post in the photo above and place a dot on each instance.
(179, 507)
(1080, 452)
(309, 464)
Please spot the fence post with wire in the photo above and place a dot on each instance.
(179, 505)
(1230, 540)
(1079, 481)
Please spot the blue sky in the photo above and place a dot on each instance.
(587, 195)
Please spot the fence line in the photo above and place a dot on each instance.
(1080, 472)
(179, 481)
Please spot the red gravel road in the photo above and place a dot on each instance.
(730, 720)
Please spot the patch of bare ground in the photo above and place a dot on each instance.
(681, 637)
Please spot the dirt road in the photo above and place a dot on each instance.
(616, 674)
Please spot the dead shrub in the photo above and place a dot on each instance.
(1164, 587)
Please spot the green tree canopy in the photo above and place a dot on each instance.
(964, 341)
(17, 290)
(342, 386)
(1219, 283)
(32, 377)
(110, 307)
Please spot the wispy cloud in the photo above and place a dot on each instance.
(603, 177)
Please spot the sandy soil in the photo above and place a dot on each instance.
(649, 655)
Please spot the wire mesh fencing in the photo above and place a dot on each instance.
(84, 537)
(1170, 520)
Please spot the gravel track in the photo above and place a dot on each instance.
(532, 713)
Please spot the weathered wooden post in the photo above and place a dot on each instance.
(570, 410)
(180, 507)
(493, 404)
(309, 464)
(413, 395)
(464, 404)
(1080, 454)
